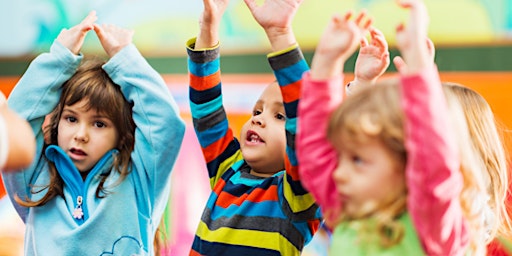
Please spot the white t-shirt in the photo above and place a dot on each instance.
(4, 142)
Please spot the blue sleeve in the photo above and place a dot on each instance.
(160, 129)
(35, 95)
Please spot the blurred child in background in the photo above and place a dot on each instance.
(398, 168)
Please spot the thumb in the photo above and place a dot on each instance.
(400, 65)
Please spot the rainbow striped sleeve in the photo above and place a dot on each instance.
(220, 148)
(288, 67)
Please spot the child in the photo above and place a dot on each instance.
(100, 183)
(17, 143)
(486, 139)
(255, 207)
(394, 154)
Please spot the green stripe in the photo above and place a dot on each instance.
(467, 58)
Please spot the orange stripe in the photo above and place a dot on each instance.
(193, 253)
(291, 170)
(291, 92)
(313, 225)
(204, 82)
(211, 152)
(258, 195)
(219, 186)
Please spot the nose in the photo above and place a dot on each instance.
(340, 174)
(82, 134)
(258, 120)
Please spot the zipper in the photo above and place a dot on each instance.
(78, 213)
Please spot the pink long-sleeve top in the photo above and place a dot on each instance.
(433, 177)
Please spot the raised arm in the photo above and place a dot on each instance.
(36, 95)
(433, 176)
(220, 148)
(372, 61)
(322, 92)
(159, 128)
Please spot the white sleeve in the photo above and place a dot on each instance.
(4, 142)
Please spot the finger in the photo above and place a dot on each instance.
(363, 42)
(400, 64)
(90, 18)
(100, 32)
(360, 17)
(400, 28)
(378, 39)
(348, 15)
(368, 23)
(405, 3)
(251, 4)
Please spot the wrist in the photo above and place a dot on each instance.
(280, 38)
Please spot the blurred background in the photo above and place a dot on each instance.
(473, 41)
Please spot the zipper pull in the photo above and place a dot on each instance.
(78, 213)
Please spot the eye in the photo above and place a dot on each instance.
(70, 119)
(280, 116)
(100, 124)
(357, 160)
(256, 112)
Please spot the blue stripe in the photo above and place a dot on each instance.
(203, 69)
(291, 74)
(213, 134)
(270, 209)
(200, 111)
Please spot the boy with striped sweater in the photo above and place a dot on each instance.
(257, 205)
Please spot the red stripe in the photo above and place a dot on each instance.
(291, 92)
(204, 82)
(257, 195)
(211, 152)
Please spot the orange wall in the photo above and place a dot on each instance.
(495, 87)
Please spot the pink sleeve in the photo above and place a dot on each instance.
(317, 158)
(433, 177)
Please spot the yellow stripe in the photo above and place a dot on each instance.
(244, 237)
(297, 203)
(289, 49)
(237, 156)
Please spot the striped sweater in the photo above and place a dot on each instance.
(248, 215)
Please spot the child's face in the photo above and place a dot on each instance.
(368, 176)
(262, 138)
(85, 135)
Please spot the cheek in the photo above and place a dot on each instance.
(244, 129)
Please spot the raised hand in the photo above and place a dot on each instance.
(209, 23)
(373, 58)
(338, 42)
(410, 39)
(113, 38)
(275, 17)
(400, 65)
(73, 38)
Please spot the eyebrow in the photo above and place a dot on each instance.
(98, 115)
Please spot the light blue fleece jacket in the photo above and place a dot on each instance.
(124, 222)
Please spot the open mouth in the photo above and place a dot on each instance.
(253, 137)
(77, 153)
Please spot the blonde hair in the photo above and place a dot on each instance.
(377, 112)
(488, 142)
